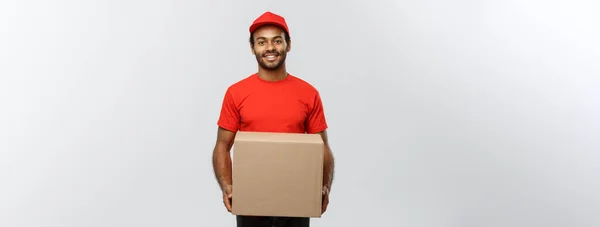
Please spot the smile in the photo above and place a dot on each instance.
(270, 57)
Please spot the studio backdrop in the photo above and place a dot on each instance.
(441, 113)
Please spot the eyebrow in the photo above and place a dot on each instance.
(274, 37)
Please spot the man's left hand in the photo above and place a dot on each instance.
(325, 202)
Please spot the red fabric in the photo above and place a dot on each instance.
(269, 18)
(290, 105)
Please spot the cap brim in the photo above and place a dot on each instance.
(260, 24)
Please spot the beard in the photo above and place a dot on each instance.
(271, 65)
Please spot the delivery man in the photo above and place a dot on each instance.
(270, 100)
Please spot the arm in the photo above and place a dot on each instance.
(222, 157)
(316, 123)
(328, 162)
(229, 123)
(222, 164)
(328, 167)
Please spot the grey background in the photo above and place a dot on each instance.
(441, 113)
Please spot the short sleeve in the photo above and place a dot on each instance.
(229, 117)
(316, 122)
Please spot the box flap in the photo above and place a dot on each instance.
(278, 137)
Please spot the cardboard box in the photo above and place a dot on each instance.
(277, 174)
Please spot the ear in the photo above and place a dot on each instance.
(252, 49)
(289, 46)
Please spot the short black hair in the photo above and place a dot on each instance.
(287, 37)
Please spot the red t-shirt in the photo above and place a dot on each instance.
(290, 105)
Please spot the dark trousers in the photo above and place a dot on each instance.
(259, 221)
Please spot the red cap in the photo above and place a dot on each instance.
(271, 19)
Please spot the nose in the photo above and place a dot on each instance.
(270, 46)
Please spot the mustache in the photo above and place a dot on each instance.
(270, 52)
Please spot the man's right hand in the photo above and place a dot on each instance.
(227, 195)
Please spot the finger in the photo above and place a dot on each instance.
(325, 204)
(227, 202)
(228, 205)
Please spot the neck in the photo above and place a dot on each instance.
(272, 75)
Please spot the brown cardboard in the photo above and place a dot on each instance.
(277, 174)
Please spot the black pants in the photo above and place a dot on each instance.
(257, 221)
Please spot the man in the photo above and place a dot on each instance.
(271, 100)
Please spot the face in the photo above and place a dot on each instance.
(270, 47)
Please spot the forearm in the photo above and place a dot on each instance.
(222, 165)
(328, 168)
